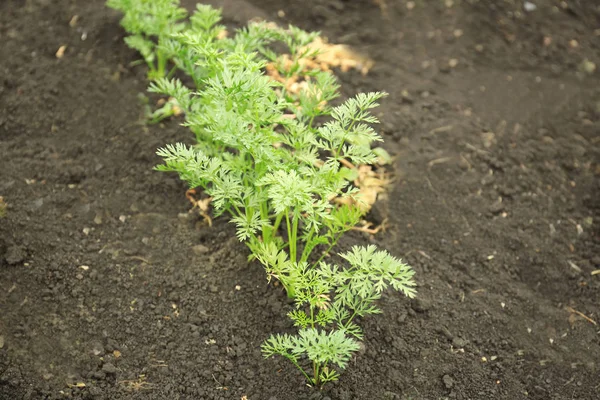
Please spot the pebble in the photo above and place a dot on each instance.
(97, 349)
(529, 6)
(488, 180)
(99, 375)
(448, 381)
(444, 331)
(497, 207)
(15, 255)
(200, 249)
(109, 369)
(588, 67)
(459, 343)
(406, 97)
(420, 305)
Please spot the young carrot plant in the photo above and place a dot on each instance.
(266, 169)
(276, 177)
(282, 177)
(150, 24)
(328, 300)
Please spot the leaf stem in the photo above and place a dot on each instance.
(293, 360)
(307, 247)
(326, 252)
(277, 223)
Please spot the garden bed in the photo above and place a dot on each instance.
(111, 289)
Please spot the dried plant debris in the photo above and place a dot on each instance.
(371, 181)
(317, 55)
(3, 207)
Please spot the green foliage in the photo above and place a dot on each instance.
(266, 163)
(150, 24)
(331, 297)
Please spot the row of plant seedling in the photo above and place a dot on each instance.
(263, 159)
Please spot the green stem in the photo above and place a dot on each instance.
(240, 214)
(339, 150)
(295, 229)
(349, 320)
(161, 63)
(277, 223)
(172, 72)
(307, 249)
(333, 243)
(300, 368)
(292, 228)
(288, 225)
(316, 380)
(264, 215)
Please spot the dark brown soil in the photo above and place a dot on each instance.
(495, 204)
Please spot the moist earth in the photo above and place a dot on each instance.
(111, 289)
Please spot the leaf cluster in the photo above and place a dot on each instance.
(265, 161)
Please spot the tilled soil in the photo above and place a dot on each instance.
(111, 289)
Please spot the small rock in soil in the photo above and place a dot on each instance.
(406, 97)
(15, 255)
(200, 249)
(488, 180)
(420, 305)
(402, 317)
(99, 375)
(497, 207)
(97, 349)
(109, 369)
(399, 343)
(448, 381)
(459, 343)
(444, 331)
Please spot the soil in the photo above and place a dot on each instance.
(107, 280)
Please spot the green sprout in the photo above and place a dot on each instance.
(151, 23)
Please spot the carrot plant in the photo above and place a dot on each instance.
(328, 300)
(150, 24)
(280, 175)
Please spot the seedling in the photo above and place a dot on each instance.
(150, 24)
(328, 300)
(261, 157)
(277, 178)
